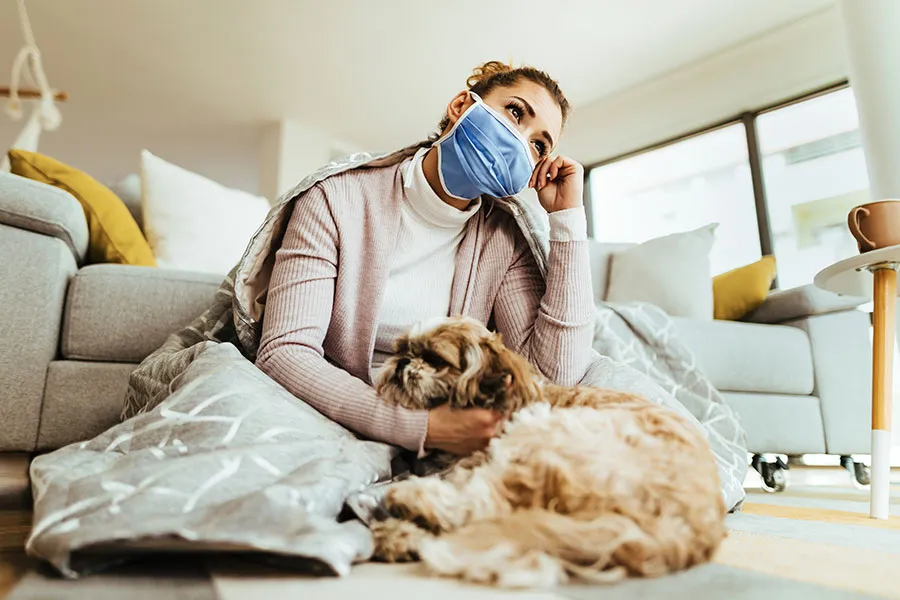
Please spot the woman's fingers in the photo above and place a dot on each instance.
(555, 167)
(541, 173)
(549, 169)
(535, 175)
(533, 180)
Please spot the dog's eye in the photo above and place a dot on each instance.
(434, 359)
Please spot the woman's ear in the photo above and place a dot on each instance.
(458, 106)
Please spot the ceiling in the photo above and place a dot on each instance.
(375, 73)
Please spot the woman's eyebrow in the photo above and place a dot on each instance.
(528, 108)
(546, 135)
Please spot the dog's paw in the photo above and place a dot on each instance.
(400, 501)
(380, 512)
(425, 503)
(396, 540)
(408, 501)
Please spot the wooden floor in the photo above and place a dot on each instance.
(14, 526)
(15, 520)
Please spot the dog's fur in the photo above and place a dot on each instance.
(582, 482)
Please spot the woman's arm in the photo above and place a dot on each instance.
(552, 322)
(298, 311)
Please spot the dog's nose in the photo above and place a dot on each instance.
(402, 363)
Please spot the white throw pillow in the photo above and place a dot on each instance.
(193, 223)
(672, 272)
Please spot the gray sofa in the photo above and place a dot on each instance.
(798, 374)
(798, 370)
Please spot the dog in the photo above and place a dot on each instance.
(581, 483)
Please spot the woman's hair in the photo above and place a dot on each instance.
(494, 74)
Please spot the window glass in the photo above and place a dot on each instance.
(814, 172)
(680, 187)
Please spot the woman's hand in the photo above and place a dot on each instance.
(461, 431)
(559, 183)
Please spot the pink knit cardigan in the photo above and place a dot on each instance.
(320, 323)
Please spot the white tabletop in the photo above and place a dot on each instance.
(845, 277)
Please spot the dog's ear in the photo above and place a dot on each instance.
(518, 376)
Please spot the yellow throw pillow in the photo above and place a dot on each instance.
(114, 235)
(737, 292)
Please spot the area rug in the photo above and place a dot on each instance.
(772, 552)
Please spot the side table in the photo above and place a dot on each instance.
(874, 275)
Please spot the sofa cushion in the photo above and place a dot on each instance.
(747, 357)
(81, 401)
(779, 424)
(601, 254)
(121, 314)
(741, 290)
(801, 302)
(178, 203)
(672, 272)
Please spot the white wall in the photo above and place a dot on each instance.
(290, 151)
(785, 62)
(801, 56)
(261, 159)
(109, 150)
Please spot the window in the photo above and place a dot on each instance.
(682, 186)
(811, 169)
(814, 172)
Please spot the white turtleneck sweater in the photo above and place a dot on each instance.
(421, 275)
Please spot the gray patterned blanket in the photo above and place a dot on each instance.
(214, 455)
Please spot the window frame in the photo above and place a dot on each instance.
(748, 119)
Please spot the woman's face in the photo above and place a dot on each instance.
(528, 106)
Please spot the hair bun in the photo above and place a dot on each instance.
(488, 69)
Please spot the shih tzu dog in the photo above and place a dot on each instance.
(583, 482)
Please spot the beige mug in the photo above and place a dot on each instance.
(875, 225)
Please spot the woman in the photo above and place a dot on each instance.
(370, 252)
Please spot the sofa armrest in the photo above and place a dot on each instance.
(842, 367)
(44, 209)
(797, 303)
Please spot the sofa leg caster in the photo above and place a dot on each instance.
(858, 471)
(772, 473)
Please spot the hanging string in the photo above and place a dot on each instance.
(45, 115)
(30, 56)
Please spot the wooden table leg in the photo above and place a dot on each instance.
(882, 390)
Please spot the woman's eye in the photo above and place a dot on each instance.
(516, 112)
(541, 147)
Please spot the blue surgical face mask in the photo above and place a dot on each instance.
(483, 154)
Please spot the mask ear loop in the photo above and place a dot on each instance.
(459, 120)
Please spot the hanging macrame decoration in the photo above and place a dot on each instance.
(45, 116)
